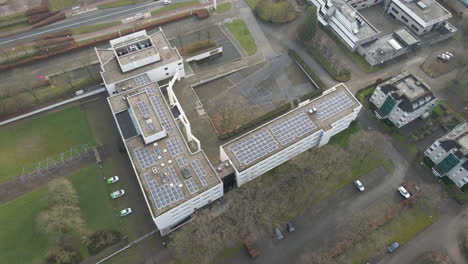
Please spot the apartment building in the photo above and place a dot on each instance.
(311, 124)
(402, 99)
(450, 155)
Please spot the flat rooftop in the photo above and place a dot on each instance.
(112, 72)
(278, 134)
(410, 86)
(427, 10)
(168, 172)
(366, 29)
(460, 135)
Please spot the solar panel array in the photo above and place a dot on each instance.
(172, 175)
(163, 195)
(158, 151)
(145, 159)
(161, 113)
(182, 161)
(333, 105)
(199, 171)
(173, 146)
(149, 89)
(254, 147)
(151, 127)
(293, 127)
(191, 186)
(142, 80)
(143, 108)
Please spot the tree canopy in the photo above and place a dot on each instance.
(308, 26)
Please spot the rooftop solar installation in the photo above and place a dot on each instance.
(158, 151)
(172, 175)
(173, 146)
(142, 80)
(163, 195)
(254, 147)
(333, 105)
(143, 108)
(145, 159)
(161, 113)
(149, 90)
(182, 162)
(191, 185)
(292, 128)
(199, 171)
(151, 127)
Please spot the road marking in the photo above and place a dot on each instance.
(77, 23)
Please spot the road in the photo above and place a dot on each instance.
(89, 18)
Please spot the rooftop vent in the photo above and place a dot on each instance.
(154, 170)
(421, 5)
(186, 173)
(312, 110)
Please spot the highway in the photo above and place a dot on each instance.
(89, 18)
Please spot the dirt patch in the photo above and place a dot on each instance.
(10, 7)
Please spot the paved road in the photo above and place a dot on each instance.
(93, 17)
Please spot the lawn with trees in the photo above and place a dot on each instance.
(242, 34)
(59, 221)
(275, 11)
(33, 140)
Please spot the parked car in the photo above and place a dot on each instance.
(290, 227)
(113, 179)
(359, 185)
(278, 234)
(117, 194)
(404, 192)
(167, 2)
(449, 54)
(393, 247)
(125, 211)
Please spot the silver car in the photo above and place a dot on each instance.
(278, 234)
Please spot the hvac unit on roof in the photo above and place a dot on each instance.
(154, 170)
(421, 5)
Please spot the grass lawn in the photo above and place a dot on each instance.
(30, 141)
(342, 138)
(119, 3)
(56, 5)
(399, 136)
(14, 26)
(243, 36)
(252, 3)
(174, 6)
(412, 148)
(95, 27)
(22, 241)
(223, 8)
(20, 214)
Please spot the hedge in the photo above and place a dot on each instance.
(252, 123)
(343, 77)
(306, 68)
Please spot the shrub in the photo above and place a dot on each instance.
(307, 69)
(198, 47)
(201, 13)
(102, 239)
(63, 255)
(308, 27)
(275, 11)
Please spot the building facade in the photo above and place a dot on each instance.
(311, 124)
(450, 155)
(402, 99)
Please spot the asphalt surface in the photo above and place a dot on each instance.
(89, 18)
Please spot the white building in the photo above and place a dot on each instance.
(174, 174)
(136, 54)
(450, 155)
(402, 99)
(346, 22)
(311, 124)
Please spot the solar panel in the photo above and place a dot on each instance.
(158, 151)
(191, 185)
(161, 113)
(142, 80)
(333, 105)
(149, 90)
(143, 108)
(145, 159)
(293, 127)
(170, 172)
(254, 147)
(173, 146)
(151, 127)
(181, 161)
(199, 171)
(163, 195)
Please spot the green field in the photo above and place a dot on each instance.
(56, 5)
(119, 3)
(30, 141)
(342, 138)
(243, 36)
(95, 27)
(27, 243)
(174, 6)
(223, 8)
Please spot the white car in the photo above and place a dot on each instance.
(359, 185)
(167, 2)
(404, 192)
(125, 211)
(113, 179)
(117, 194)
